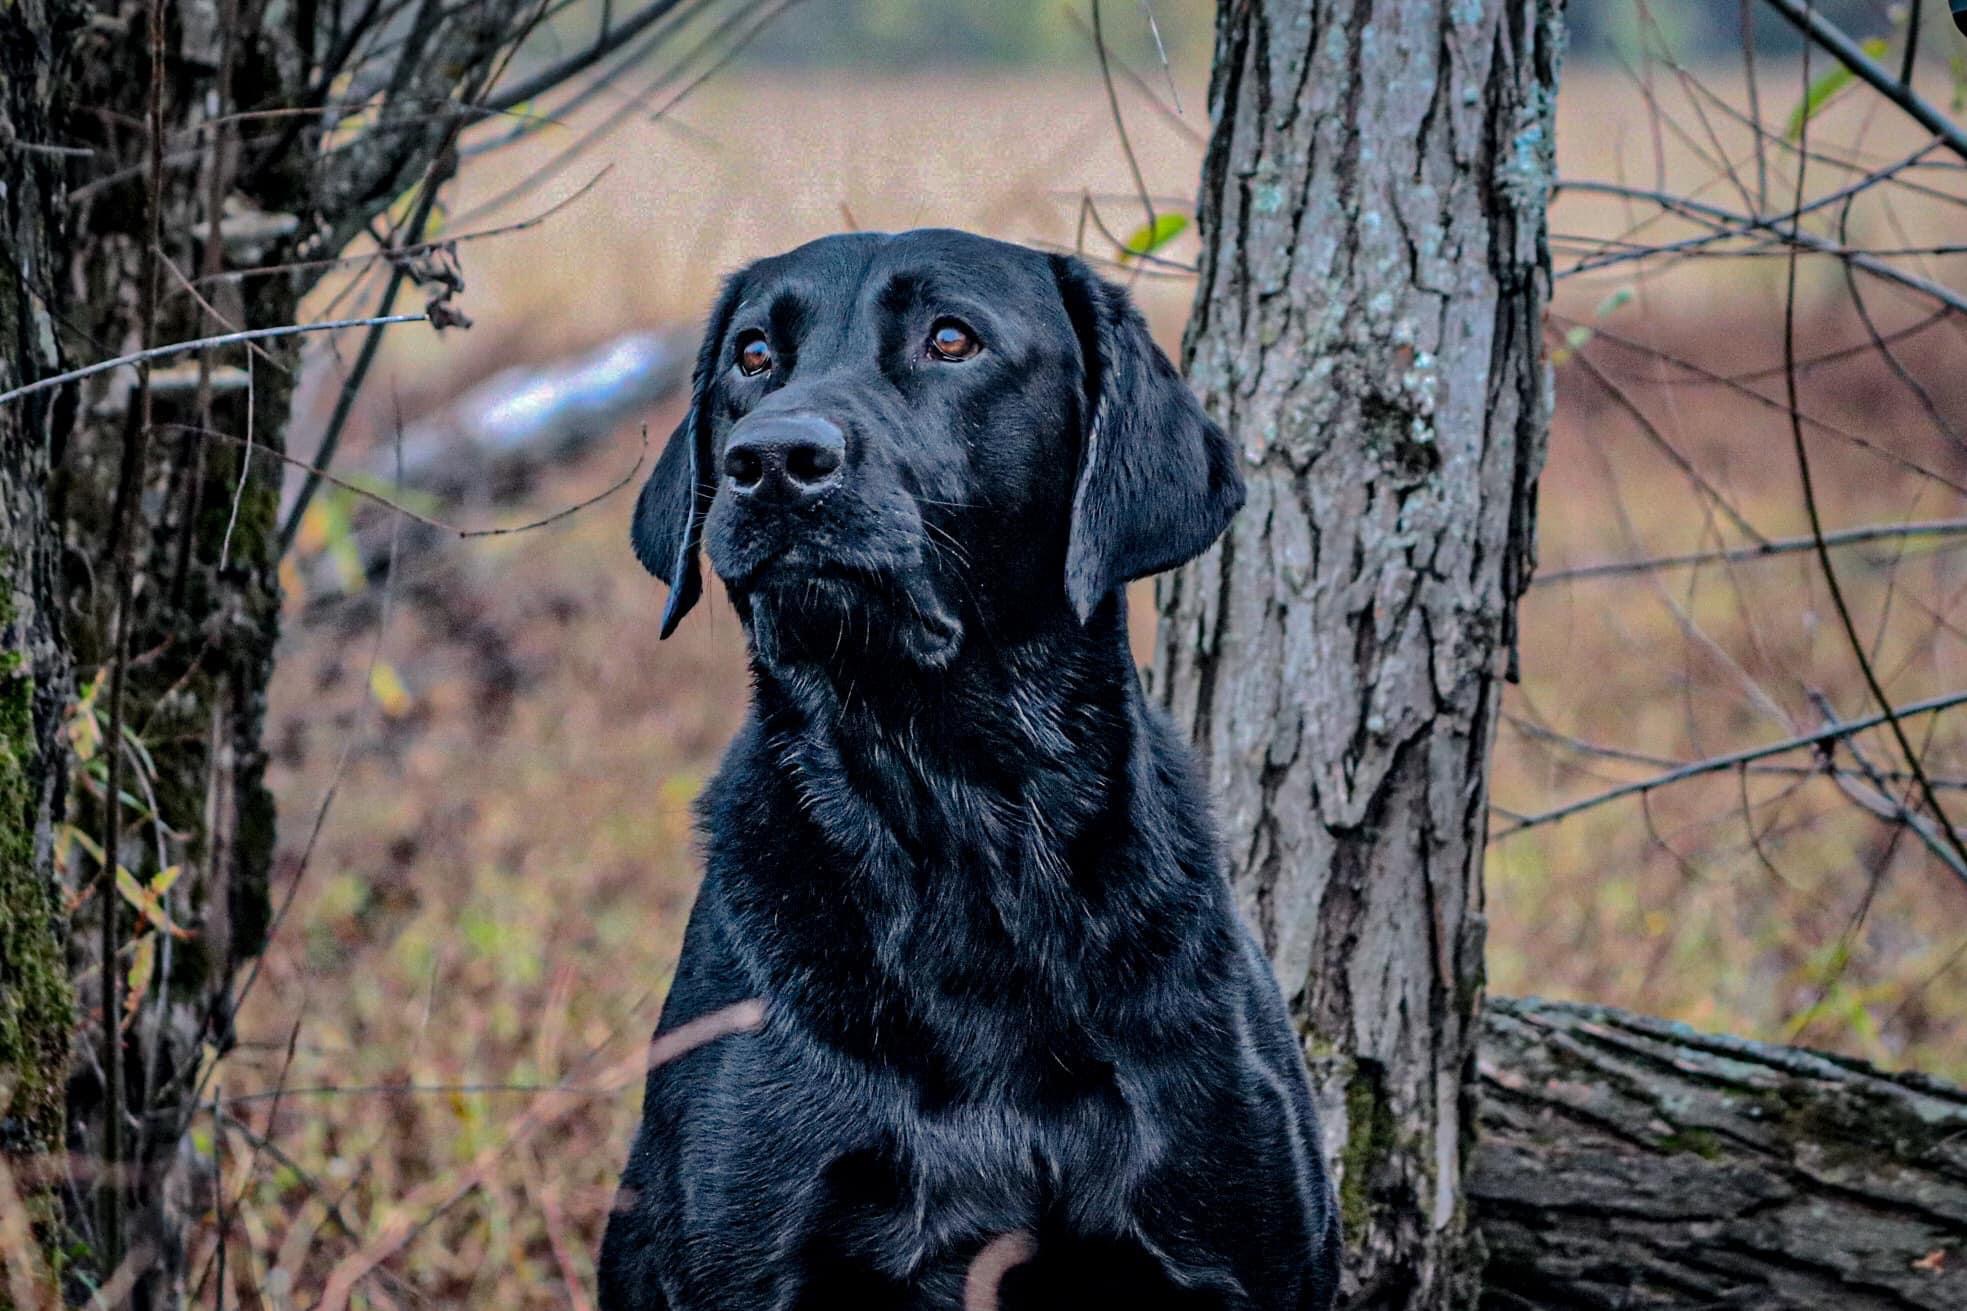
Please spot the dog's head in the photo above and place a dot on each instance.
(923, 436)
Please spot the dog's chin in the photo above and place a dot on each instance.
(798, 615)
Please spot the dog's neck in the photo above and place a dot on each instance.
(966, 851)
(1035, 732)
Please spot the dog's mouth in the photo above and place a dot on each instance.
(799, 608)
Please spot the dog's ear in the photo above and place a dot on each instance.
(1157, 477)
(667, 527)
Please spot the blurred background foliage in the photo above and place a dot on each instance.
(891, 35)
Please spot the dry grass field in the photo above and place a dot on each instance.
(440, 1064)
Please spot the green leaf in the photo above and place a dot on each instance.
(1579, 335)
(148, 901)
(328, 528)
(1825, 89)
(1957, 64)
(1148, 238)
(386, 686)
(1618, 300)
(143, 967)
(84, 841)
(84, 728)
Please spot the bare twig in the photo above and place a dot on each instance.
(1801, 449)
(1687, 207)
(321, 812)
(50, 149)
(399, 273)
(548, 1199)
(245, 472)
(129, 489)
(570, 510)
(1732, 760)
(1120, 126)
(610, 40)
(190, 288)
(1665, 446)
(1821, 32)
(1878, 799)
(1171, 116)
(422, 247)
(1911, 60)
(432, 1199)
(154, 353)
(1703, 373)
(1754, 101)
(1161, 51)
(429, 521)
(218, 1188)
(1756, 551)
(1130, 258)
(640, 101)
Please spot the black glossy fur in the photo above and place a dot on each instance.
(963, 863)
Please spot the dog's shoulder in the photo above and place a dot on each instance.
(708, 976)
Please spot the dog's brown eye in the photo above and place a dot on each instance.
(950, 340)
(754, 356)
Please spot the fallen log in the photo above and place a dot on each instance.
(1629, 1162)
(488, 447)
(493, 441)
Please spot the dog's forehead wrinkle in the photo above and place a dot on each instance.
(974, 274)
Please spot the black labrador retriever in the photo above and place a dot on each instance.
(992, 1033)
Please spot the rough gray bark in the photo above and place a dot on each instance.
(1626, 1162)
(1368, 329)
(36, 1005)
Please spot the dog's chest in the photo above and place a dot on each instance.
(988, 1169)
(968, 938)
(911, 1185)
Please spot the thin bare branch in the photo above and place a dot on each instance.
(399, 273)
(1800, 448)
(1826, 35)
(1700, 210)
(1732, 760)
(206, 343)
(1942, 528)
(610, 40)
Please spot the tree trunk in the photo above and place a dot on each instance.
(1629, 1163)
(36, 1005)
(1368, 329)
(180, 593)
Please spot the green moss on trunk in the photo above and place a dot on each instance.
(36, 1005)
(1370, 1136)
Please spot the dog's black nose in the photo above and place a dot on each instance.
(786, 458)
